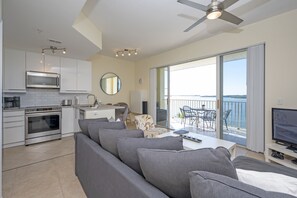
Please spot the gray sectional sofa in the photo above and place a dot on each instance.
(103, 174)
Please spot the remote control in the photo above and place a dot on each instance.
(191, 138)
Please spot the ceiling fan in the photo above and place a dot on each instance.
(214, 10)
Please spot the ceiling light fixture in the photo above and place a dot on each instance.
(214, 11)
(125, 51)
(214, 14)
(53, 49)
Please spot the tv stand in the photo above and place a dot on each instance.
(288, 155)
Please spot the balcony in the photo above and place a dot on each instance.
(236, 121)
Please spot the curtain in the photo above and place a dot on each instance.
(153, 94)
(255, 98)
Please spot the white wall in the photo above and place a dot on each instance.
(124, 69)
(278, 33)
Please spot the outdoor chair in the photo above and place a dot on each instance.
(146, 123)
(225, 117)
(208, 117)
(188, 113)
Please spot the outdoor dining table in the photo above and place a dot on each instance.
(202, 113)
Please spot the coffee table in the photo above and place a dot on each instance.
(207, 142)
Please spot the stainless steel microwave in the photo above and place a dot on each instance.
(42, 80)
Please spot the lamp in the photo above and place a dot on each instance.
(123, 52)
(53, 49)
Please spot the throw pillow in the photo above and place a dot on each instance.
(168, 170)
(94, 128)
(210, 185)
(109, 138)
(83, 124)
(269, 181)
(127, 148)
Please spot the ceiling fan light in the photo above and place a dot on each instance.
(214, 14)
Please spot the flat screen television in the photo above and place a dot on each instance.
(284, 127)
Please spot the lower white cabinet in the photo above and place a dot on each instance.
(102, 113)
(13, 128)
(76, 118)
(70, 117)
(67, 120)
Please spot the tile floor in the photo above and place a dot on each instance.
(41, 170)
(47, 170)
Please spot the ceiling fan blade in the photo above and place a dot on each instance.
(195, 24)
(228, 3)
(230, 18)
(193, 5)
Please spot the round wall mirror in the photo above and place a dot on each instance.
(110, 83)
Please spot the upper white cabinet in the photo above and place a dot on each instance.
(68, 75)
(14, 71)
(34, 62)
(84, 75)
(76, 76)
(52, 64)
(42, 63)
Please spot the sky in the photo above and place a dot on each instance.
(202, 80)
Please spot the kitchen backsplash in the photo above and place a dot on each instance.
(44, 97)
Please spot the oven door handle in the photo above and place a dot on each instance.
(43, 114)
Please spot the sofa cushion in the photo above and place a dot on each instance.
(83, 124)
(210, 185)
(94, 128)
(168, 170)
(109, 138)
(127, 148)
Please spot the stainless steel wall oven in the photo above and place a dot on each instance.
(42, 124)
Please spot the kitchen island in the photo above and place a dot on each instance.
(107, 111)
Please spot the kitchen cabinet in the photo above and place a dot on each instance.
(34, 62)
(67, 120)
(52, 64)
(103, 111)
(68, 75)
(42, 63)
(76, 76)
(13, 128)
(14, 71)
(92, 114)
(84, 75)
(76, 118)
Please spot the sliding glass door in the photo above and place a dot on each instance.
(233, 96)
(162, 97)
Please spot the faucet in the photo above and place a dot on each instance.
(95, 99)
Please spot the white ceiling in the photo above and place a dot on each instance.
(151, 26)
